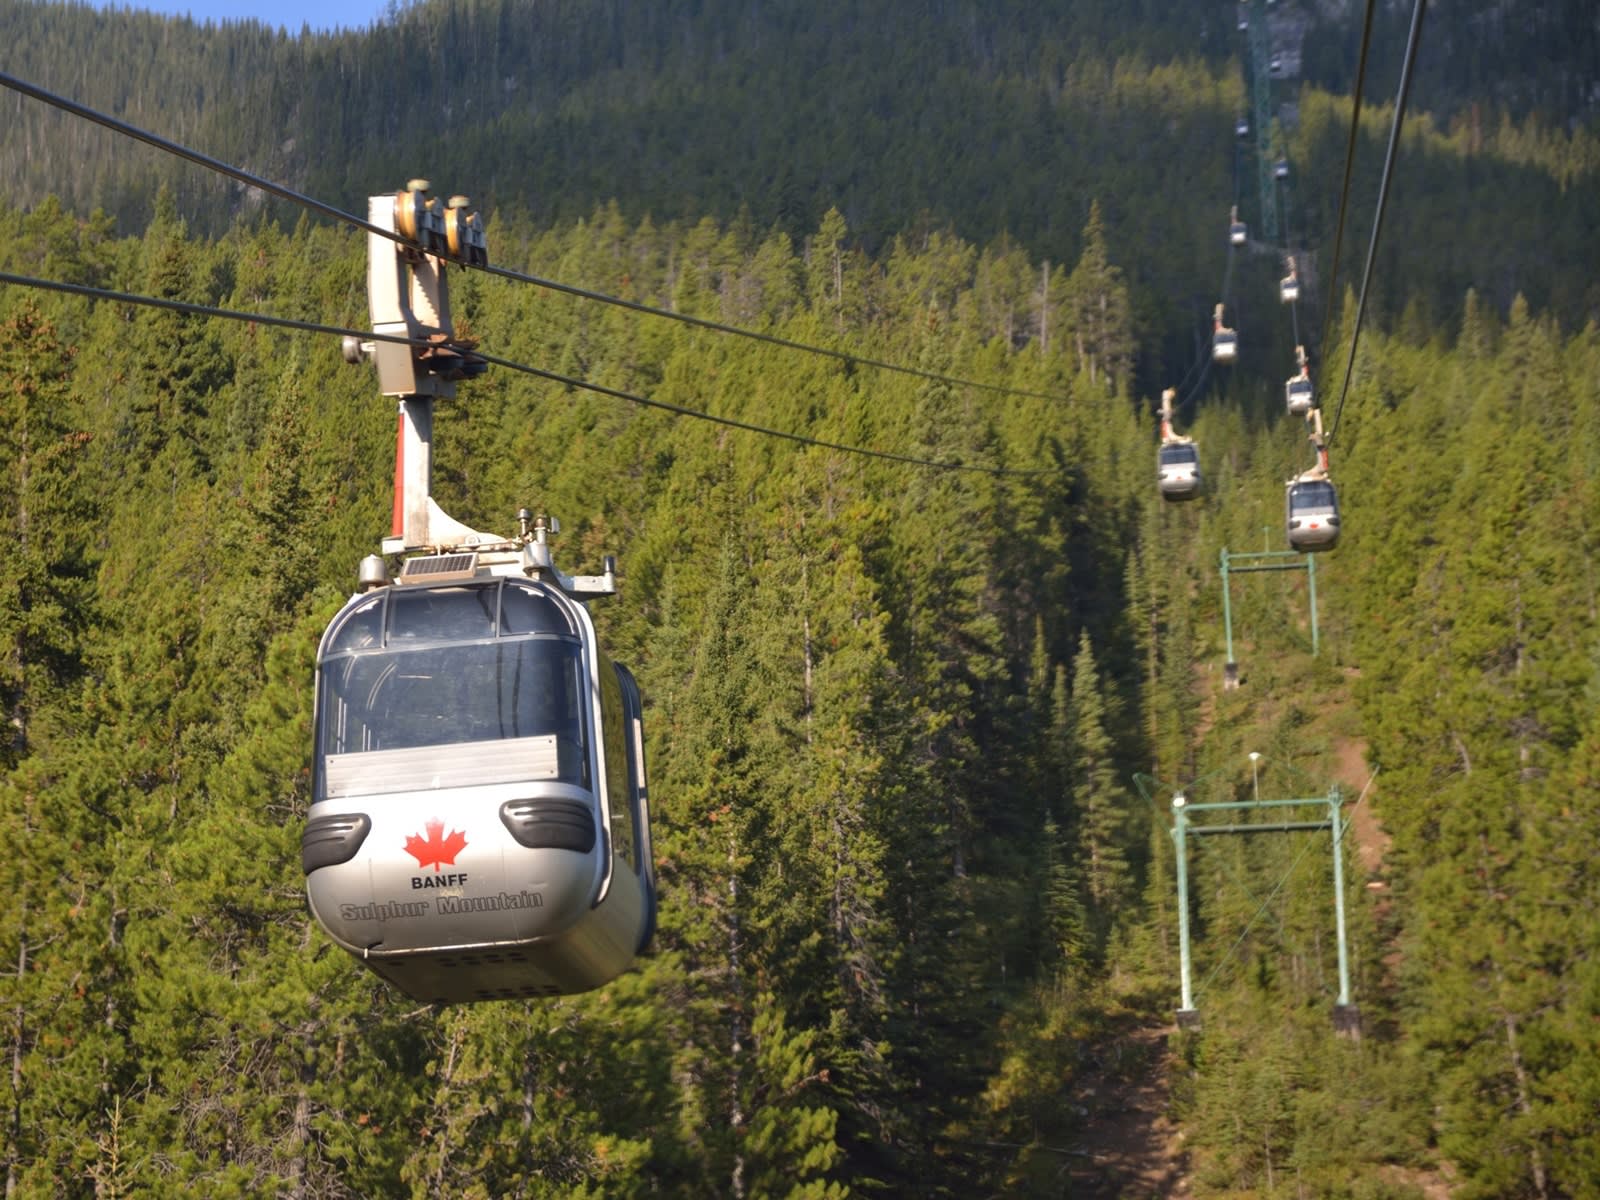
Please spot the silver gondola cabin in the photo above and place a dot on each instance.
(1178, 470)
(1177, 458)
(479, 825)
(1289, 285)
(1298, 395)
(1224, 341)
(1311, 505)
(1312, 514)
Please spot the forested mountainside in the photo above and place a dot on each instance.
(991, 119)
(913, 731)
(854, 670)
(910, 889)
(1540, 57)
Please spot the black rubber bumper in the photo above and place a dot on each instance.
(550, 823)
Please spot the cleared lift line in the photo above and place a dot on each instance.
(206, 310)
(327, 210)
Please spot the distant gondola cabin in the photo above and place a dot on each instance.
(1297, 395)
(1312, 514)
(1178, 470)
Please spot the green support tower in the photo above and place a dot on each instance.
(1346, 1015)
(1264, 560)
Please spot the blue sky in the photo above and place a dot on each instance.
(325, 15)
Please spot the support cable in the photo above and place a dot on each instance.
(194, 156)
(206, 310)
(1412, 41)
(328, 210)
(1202, 361)
(1186, 399)
(770, 339)
(1349, 166)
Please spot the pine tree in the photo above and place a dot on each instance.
(43, 593)
(1098, 311)
(833, 274)
(714, 774)
(1066, 922)
(179, 364)
(1099, 804)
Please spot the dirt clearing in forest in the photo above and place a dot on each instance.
(1355, 777)
(1128, 1147)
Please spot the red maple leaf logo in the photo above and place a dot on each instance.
(436, 848)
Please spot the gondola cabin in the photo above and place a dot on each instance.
(1298, 395)
(1242, 128)
(1178, 470)
(1238, 235)
(1312, 514)
(1280, 169)
(479, 825)
(1289, 288)
(1224, 346)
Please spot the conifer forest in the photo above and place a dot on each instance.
(935, 670)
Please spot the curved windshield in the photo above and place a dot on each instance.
(1314, 494)
(1178, 454)
(468, 692)
(437, 674)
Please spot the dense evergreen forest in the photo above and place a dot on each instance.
(992, 118)
(913, 731)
